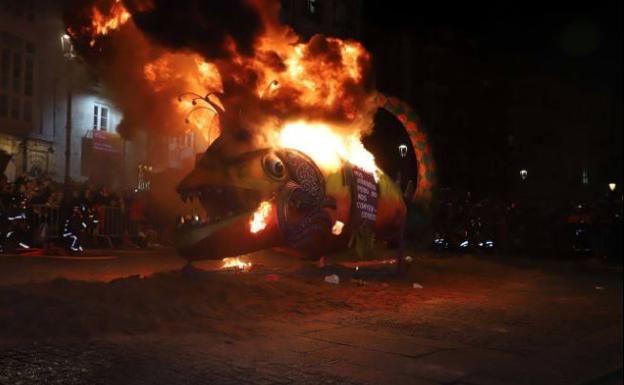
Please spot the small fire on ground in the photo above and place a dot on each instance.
(235, 263)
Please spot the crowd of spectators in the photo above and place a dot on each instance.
(40, 212)
(589, 226)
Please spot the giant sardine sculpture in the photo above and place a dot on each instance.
(264, 198)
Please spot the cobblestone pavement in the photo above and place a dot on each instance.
(519, 324)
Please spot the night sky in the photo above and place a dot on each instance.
(561, 47)
(582, 42)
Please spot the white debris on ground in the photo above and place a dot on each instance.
(333, 279)
(417, 286)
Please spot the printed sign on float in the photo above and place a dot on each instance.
(364, 196)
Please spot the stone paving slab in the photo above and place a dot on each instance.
(381, 341)
(454, 365)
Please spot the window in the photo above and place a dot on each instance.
(4, 105)
(104, 119)
(17, 71)
(96, 116)
(28, 78)
(15, 107)
(340, 14)
(188, 139)
(585, 176)
(313, 10)
(100, 117)
(30, 10)
(27, 111)
(5, 71)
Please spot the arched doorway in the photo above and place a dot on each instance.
(396, 124)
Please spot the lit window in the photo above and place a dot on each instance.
(104, 119)
(585, 176)
(96, 116)
(100, 117)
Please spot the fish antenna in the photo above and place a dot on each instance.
(212, 106)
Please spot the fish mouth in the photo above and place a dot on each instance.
(221, 202)
(223, 230)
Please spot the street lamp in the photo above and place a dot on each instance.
(68, 52)
(403, 150)
(67, 46)
(523, 174)
(612, 186)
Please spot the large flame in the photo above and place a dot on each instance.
(311, 96)
(318, 79)
(328, 147)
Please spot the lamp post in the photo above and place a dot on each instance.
(68, 53)
(403, 150)
(523, 174)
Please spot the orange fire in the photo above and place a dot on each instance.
(318, 82)
(235, 263)
(259, 220)
(102, 23)
(312, 95)
(174, 71)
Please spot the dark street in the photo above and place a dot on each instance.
(476, 320)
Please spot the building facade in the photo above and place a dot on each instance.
(37, 79)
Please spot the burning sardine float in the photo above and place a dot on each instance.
(279, 197)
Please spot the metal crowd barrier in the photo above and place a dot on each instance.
(111, 222)
(48, 216)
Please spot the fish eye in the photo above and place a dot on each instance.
(274, 166)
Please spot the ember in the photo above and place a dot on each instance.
(337, 228)
(258, 222)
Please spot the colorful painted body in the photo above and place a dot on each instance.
(306, 204)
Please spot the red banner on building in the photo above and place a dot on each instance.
(106, 142)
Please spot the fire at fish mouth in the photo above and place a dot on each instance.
(222, 202)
